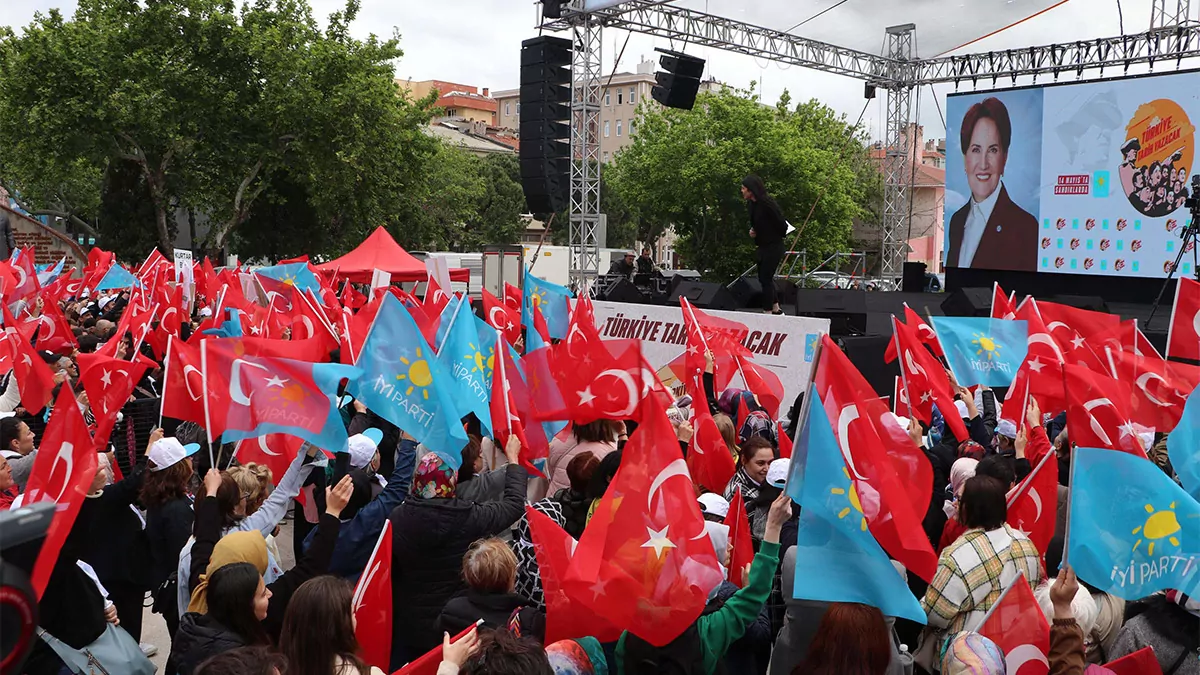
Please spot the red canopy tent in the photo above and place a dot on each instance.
(380, 252)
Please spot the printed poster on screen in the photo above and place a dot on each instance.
(1086, 178)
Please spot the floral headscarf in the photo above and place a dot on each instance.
(972, 654)
(583, 656)
(434, 477)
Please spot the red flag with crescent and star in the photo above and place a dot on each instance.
(109, 382)
(1018, 627)
(925, 334)
(183, 383)
(501, 317)
(1002, 304)
(275, 451)
(1074, 329)
(1041, 372)
(741, 542)
(1033, 504)
(512, 297)
(1098, 412)
(925, 381)
(371, 604)
(645, 552)
(34, 379)
(1183, 337)
(54, 333)
(1141, 662)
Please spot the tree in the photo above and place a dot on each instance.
(211, 105)
(622, 222)
(685, 168)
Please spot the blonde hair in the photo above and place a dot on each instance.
(254, 481)
(490, 566)
(728, 432)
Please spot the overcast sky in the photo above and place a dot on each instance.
(477, 42)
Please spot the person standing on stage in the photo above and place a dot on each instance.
(767, 228)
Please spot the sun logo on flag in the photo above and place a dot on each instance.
(1162, 524)
(483, 363)
(987, 346)
(418, 375)
(855, 504)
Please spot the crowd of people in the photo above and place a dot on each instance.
(197, 542)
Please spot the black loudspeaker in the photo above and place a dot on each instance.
(968, 302)
(703, 294)
(748, 292)
(678, 86)
(845, 309)
(913, 280)
(552, 9)
(545, 106)
(1093, 303)
(623, 290)
(866, 353)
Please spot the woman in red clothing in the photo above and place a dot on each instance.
(8, 488)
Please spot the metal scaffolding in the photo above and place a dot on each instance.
(1172, 38)
(584, 214)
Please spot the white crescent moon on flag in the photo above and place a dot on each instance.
(499, 324)
(236, 393)
(48, 323)
(675, 468)
(65, 454)
(1141, 383)
(1056, 324)
(262, 445)
(1045, 339)
(1021, 655)
(1095, 424)
(169, 312)
(913, 366)
(1037, 501)
(363, 585)
(926, 330)
(1196, 323)
(308, 326)
(187, 382)
(24, 277)
(847, 415)
(632, 388)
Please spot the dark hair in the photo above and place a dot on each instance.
(243, 661)
(999, 467)
(10, 430)
(502, 653)
(318, 627)
(160, 487)
(231, 591)
(989, 108)
(750, 448)
(599, 431)
(229, 495)
(983, 504)
(470, 452)
(852, 639)
(580, 470)
(755, 185)
(606, 470)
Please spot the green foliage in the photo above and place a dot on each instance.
(623, 223)
(685, 168)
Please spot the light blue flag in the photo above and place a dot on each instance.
(295, 274)
(47, 273)
(981, 350)
(837, 558)
(1132, 531)
(795, 479)
(446, 317)
(469, 354)
(538, 377)
(553, 301)
(1183, 446)
(117, 277)
(404, 383)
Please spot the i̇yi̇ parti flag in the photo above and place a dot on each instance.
(982, 350)
(924, 381)
(553, 301)
(403, 382)
(1132, 530)
(116, 277)
(1018, 627)
(1183, 446)
(298, 275)
(469, 355)
(372, 603)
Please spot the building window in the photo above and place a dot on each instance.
(618, 127)
(619, 95)
(507, 108)
(607, 98)
(451, 112)
(518, 110)
(631, 122)
(606, 129)
(632, 99)
(606, 156)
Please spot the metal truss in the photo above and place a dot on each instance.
(1170, 13)
(584, 214)
(897, 166)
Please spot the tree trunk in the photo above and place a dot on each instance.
(242, 200)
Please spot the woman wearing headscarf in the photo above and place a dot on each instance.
(758, 421)
(529, 580)
(960, 472)
(581, 656)
(767, 229)
(431, 531)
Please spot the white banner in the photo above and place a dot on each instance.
(784, 344)
(183, 274)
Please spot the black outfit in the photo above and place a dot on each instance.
(314, 563)
(115, 545)
(199, 637)
(621, 268)
(574, 507)
(7, 243)
(769, 228)
(496, 610)
(645, 265)
(429, 539)
(168, 527)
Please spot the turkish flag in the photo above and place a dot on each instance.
(1160, 388)
(53, 331)
(709, 460)
(925, 381)
(1041, 371)
(1002, 305)
(280, 296)
(924, 332)
(741, 542)
(352, 298)
(900, 399)
(1018, 627)
(62, 473)
(275, 451)
(1033, 505)
(596, 380)
(27, 280)
(645, 550)
(152, 264)
(499, 316)
(1073, 329)
(763, 383)
(1098, 412)
(310, 324)
(566, 618)
(183, 383)
(1183, 337)
(1141, 662)
(109, 382)
(436, 298)
(512, 297)
(506, 420)
(355, 328)
(34, 378)
(429, 662)
(893, 477)
(60, 288)
(372, 604)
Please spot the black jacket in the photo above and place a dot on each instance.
(768, 223)
(115, 544)
(167, 530)
(7, 242)
(429, 539)
(575, 507)
(199, 637)
(496, 610)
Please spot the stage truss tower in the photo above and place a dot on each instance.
(898, 168)
(584, 214)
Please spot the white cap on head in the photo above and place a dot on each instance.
(166, 452)
(777, 473)
(962, 409)
(1007, 428)
(713, 503)
(363, 448)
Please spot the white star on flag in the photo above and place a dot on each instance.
(106, 378)
(1078, 341)
(254, 329)
(1127, 429)
(274, 381)
(26, 360)
(924, 397)
(597, 588)
(1036, 365)
(658, 540)
(586, 396)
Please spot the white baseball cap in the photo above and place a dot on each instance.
(167, 451)
(363, 447)
(711, 502)
(1007, 428)
(777, 473)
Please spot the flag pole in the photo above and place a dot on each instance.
(450, 327)
(903, 376)
(806, 407)
(212, 462)
(1067, 529)
(166, 374)
(1024, 485)
(1021, 577)
(500, 357)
